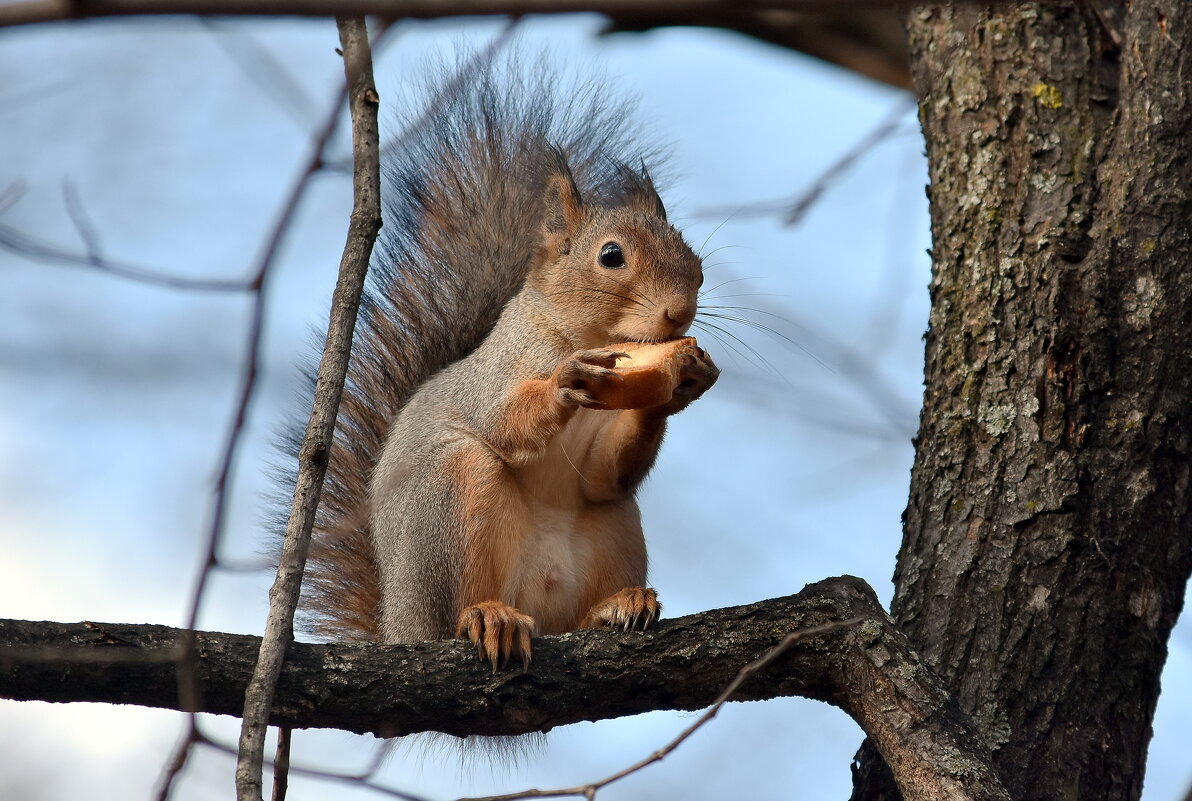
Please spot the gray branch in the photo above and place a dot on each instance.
(869, 670)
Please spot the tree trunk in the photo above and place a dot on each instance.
(1048, 537)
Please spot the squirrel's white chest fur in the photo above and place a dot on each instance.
(546, 582)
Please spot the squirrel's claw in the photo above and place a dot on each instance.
(697, 374)
(630, 608)
(587, 376)
(498, 631)
(601, 357)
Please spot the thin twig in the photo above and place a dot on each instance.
(358, 779)
(22, 244)
(450, 91)
(258, 64)
(589, 791)
(887, 128)
(281, 764)
(312, 466)
(82, 222)
(793, 209)
(178, 760)
(10, 195)
(257, 286)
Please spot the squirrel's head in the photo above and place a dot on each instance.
(616, 272)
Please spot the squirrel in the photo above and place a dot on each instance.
(478, 486)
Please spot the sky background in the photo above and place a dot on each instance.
(180, 138)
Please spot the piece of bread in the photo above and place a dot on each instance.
(649, 373)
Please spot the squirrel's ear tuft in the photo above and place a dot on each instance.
(563, 205)
(640, 194)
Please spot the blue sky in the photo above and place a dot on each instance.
(115, 396)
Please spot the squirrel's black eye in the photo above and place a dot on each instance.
(611, 256)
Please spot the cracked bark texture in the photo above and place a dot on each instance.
(393, 690)
(1048, 536)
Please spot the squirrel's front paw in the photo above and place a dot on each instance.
(498, 631)
(697, 373)
(586, 378)
(631, 608)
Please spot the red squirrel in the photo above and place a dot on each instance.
(481, 483)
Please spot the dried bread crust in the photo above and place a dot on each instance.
(649, 373)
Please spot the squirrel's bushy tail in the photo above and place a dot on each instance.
(463, 201)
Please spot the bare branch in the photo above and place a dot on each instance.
(313, 452)
(178, 760)
(793, 209)
(316, 444)
(82, 221)
(10, 195)
(359, 779)
(22, 244)
(276, 82)
(281, 764)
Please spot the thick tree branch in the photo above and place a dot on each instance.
(33, 11)
(861, 35)
(868, 670)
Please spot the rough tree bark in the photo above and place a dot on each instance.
(862, 664)
(1048, 537)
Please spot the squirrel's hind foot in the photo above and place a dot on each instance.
(498, 631)
(630, 608)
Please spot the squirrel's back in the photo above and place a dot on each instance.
(463, 204)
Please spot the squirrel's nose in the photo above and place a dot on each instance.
(678, 315)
